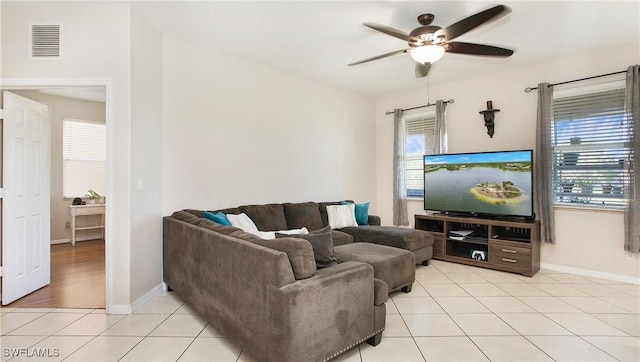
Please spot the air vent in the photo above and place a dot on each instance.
(45, 40)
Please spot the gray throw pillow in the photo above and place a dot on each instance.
(322, 245)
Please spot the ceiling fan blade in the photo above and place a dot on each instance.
(422, 69)
(473, 21)
(477, 49)
(388, 30)
(380, 56)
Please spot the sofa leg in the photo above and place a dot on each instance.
(426, 262)
(375, 340)
(407, 288)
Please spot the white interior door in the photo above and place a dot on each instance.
(25, 205)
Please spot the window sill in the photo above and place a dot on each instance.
(588, 209)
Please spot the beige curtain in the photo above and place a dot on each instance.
(543, 165)
(441, 127)
(632, 188)
(400, 217)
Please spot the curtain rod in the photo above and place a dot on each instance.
(426, 105)
(529, 89)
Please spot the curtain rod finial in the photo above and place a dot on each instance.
(528, 90)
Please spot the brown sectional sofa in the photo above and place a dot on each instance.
(267, 295)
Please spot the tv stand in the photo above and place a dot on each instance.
(512, 246)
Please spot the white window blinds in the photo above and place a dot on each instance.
(419, 140)
(84, 157)
(591, 147)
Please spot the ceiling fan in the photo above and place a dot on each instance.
(427, 43)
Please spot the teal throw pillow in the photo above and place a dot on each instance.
(362, 212)
(218, 217)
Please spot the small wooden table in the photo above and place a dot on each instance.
(84, 210)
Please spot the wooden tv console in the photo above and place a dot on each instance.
(512, 246)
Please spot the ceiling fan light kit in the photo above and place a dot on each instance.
(428, 43)
(427, 53)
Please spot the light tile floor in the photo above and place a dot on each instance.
(454, 313)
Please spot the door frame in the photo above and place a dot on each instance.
(39, 83)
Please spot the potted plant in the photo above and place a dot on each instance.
(93, 196)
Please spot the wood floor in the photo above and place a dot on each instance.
(77, 278)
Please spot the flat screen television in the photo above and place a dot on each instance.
(488, 184)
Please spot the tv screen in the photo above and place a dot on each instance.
(483, 183)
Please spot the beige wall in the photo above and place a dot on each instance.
(237, 132)
(146, 159)
(588, 242)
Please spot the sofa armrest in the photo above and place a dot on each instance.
(323, 315)
(374, 220)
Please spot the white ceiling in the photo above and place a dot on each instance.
(318, 39)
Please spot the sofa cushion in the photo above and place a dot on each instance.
(214, 226)
(341, 216)
(341, 238)
(185, 215)
(303, 214)
(267, 217)
(299, 252)
(231, 210)
(404, 238)
(323, 211)
(218, 217)
(322, 245)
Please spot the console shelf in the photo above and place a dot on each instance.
(512, 246)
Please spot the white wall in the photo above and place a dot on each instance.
(587, 241)
(95, 44)
(238, 133)
(146, 158)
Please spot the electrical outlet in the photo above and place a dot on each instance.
(67, 225)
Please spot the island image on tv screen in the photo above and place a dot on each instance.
(484, 183)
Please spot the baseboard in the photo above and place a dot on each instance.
(130, 308)
(60, 241)
(84, 238)
(146, 297)
(591, 273)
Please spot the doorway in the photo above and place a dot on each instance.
(78, 273)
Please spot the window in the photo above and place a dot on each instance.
(84, 157)
(420, 130)
(591, 147)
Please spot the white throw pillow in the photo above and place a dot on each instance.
(243, 222)
(302, 231)
(272, 234)
(341, 216)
